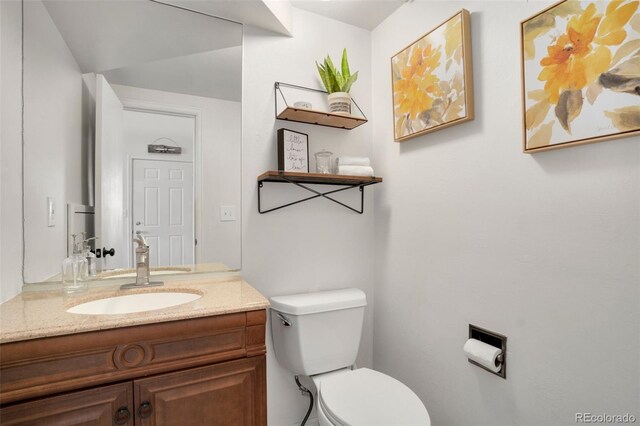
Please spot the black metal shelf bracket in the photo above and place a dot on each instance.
(318, 194)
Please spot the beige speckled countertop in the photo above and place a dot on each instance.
(35, 314)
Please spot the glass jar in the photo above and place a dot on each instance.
(323, 162)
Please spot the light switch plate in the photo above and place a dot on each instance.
(227, 213)
(51, 211)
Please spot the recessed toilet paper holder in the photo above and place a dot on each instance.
(493, 339)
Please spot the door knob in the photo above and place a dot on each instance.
(110, 252)
(138, 223)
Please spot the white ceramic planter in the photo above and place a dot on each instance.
(340, 103)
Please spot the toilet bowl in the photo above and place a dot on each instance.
(318, 335)
(366, 397)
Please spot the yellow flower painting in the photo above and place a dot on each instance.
(581, 73)
(432, 80)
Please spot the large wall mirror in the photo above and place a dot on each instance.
(132, 126)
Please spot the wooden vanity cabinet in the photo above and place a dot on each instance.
(203, 371)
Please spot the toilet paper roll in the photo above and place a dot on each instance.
(484, 354)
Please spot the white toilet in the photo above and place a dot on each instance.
(318, 335)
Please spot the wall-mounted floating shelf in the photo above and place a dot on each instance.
(302, 180)
(311, 116)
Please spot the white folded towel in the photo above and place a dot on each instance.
(355, 170)
(353, 161)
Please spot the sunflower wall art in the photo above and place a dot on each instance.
(432, 80)
(581, 73)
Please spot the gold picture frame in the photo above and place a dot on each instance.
(580, 74)
(432, 80)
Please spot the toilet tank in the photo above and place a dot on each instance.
(317, 332)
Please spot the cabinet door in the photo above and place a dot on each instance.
(226, 394)
(103, 406)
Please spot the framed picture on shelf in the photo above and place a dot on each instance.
(293, 151)
(432, 80)
(580, 73)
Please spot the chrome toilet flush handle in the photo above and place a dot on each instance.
(285, 321)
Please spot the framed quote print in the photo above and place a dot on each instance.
(293, 151)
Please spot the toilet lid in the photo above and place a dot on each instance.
(368, 397)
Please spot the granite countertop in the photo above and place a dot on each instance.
(36, 314)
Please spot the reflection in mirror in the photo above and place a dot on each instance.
(131, 127)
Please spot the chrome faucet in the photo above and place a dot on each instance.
(142, 265)
(142, 260)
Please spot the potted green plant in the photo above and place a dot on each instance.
(338, 83)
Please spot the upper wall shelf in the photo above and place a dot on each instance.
(312, 116)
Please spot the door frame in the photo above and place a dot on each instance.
(175, 110)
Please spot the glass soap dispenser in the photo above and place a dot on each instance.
(75, 269)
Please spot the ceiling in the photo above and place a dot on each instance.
(212, 74)
(170, 49)
(104, 35)
(272, 15)
(365, 14)
(276, 16)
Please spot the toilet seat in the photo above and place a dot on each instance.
(367, 397)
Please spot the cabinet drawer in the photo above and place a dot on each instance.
(46, 366)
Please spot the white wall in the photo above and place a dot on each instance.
(1, 116)
(315, 245)
(543, 248)
(55, 155)
(220, 168)
(143, 128)
(10, 150)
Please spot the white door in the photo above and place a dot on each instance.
(109, 175)
(163, 210)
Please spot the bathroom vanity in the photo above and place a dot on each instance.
(201, 362)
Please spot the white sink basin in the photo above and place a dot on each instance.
(131, 303)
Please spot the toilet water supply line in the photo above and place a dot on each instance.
(308, 392)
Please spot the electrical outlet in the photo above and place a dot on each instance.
(227, 213)
(51, 211)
